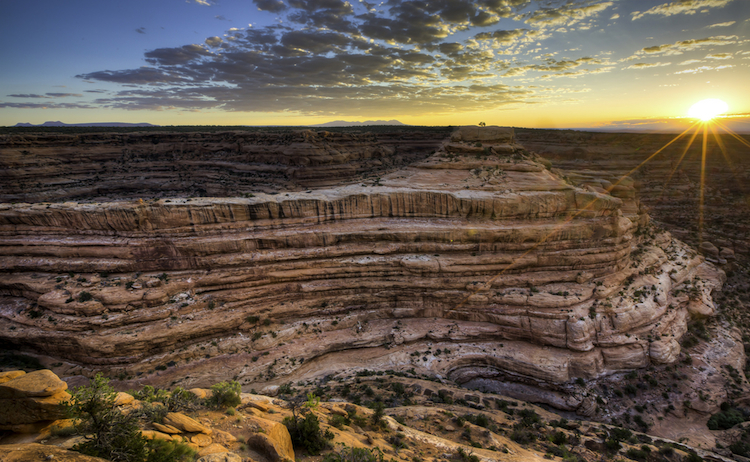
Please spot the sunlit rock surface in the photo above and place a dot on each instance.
(476, 263)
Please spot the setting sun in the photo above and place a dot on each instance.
(707, 109)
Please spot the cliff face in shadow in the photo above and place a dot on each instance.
(475, 263)
(93, 167)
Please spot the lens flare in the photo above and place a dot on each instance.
(708, 109)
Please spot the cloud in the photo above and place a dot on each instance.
(63, 95)
(346, 58)
(27, 95)
(502, 37)
(272, 6)
(563, 68)
(174, 56)
(566, 15)
(45, 105)
(141, 30)
(702, 69)
(614, 16)
(689, 62)
(719, 56)
(722, 24)
(214, 41)
(680, 47)
(646, 65)
(205, 2)
(144, 75)
(681, 7)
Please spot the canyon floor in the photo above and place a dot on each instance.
(538, 266)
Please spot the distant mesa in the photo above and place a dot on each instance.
(96, 124)
(343, 123)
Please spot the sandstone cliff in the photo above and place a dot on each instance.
(477, 264)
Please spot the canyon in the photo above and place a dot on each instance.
(268, 258)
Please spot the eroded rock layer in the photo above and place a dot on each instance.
(477, 264)
(106, 166)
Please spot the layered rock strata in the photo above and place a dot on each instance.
(107, 166)
(477, 264)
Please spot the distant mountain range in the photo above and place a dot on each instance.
(97, 124)
(344, 123)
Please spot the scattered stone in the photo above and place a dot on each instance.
(212, 449)
(123, 399)
(201, 440)
(10, 375)
(34, 384)
(185, 423)
(221, 457)
(37, 452)
(166, 428)
(32, 397)
(151, 435)
(275, 441)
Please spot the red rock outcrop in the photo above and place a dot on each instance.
(477, 263)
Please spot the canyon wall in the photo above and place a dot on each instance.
(93, 167)
(475, 263)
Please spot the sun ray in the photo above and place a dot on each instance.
(720, 143)
(735, 135)
(703, 184)
(679, 162)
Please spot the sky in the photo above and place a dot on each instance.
(615, 64)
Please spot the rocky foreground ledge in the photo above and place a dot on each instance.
(418, 423)
(477, 264)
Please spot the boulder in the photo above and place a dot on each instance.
(123, 399)
(727, 254)
(33, 384)
(275, 441)
(201, 440)
(154, 435)
(10, 375)
(40, 452)
(222, 437)
(166, 428)
(708, 249)
(212, 449)
(185, 423)
(32, 397)
(221, 457)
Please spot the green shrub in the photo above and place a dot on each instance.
(306, 433)
(110, 434)
(528, 417)
(85, 297)
(225, 394)
(169, 451)
(338, 421)
(181, 400)
(347, 454)
(725, 419)
(377, 416)
(637, 454)
(558, 438)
